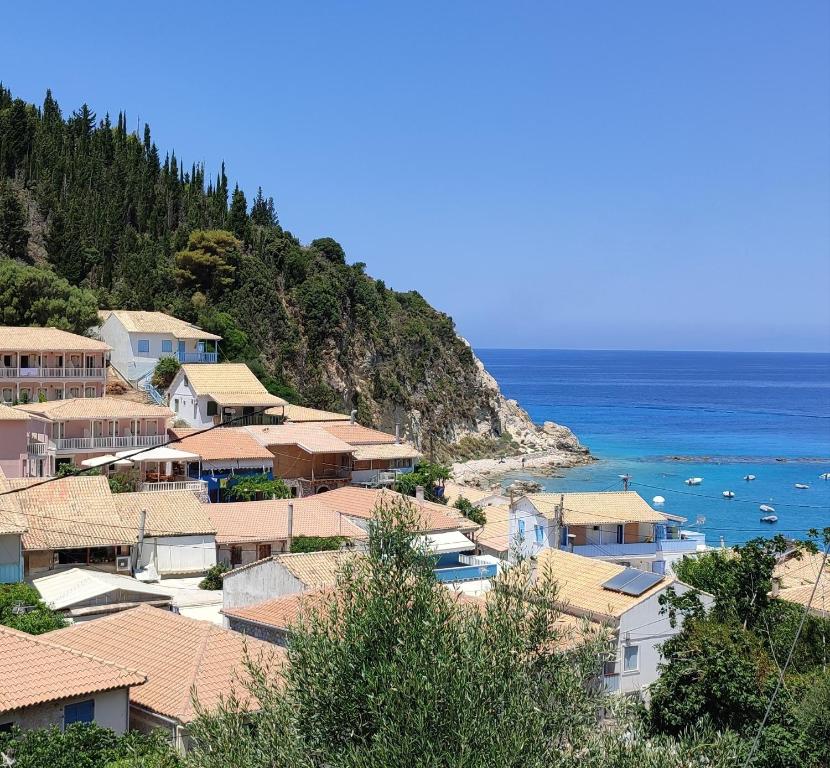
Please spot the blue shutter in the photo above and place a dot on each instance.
(80, 712)
(521, 527)
(564, 540)
(540, 534)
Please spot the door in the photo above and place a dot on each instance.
(181, 351)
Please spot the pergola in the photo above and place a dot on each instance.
(162, 455)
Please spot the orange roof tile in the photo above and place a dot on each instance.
(268, 520)
(35, 670)
(312, 438)
(32, 339)
(281, 612)
(226, 444)
(175, 653)
(357, 434)
(96, 408)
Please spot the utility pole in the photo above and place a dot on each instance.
(626, 479)
(555, 532)
(142, 522)
(290, 536)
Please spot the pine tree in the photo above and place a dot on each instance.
(13, 233)
(263, 213)
(238, 214)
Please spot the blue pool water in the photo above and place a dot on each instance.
(724, 415)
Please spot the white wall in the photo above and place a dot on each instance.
(179, 554)
(111, 711)
(257, 583)
(125, 356)
(524, 511)
(181, 391)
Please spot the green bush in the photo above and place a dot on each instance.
(39, 619)
(252, 486)
(317, 543)
(470, 510)
(213, 578)
(164, 373)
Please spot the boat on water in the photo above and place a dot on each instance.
(693, 481)
(658, 500)
(824, 476)
(748, 478)
(769, 519)
(766, 508)
(729, 494)
(802, 486)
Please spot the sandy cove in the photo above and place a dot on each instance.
(484, 472)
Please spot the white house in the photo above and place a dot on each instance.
(140, 339)
(625, 600)
(618, 526)
(205, 395)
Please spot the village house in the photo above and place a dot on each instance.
(271, 620)
(140, 339)
(614, 525)
(623, 599)
(83, 429)
(12, 528)
(44, 684)
(178, 656)
(253, 530)
(50, 364)
(24, 444)
(478, 497)
(207, 395)
(804, 581)
(82, 594)
(77, 521)
(227, 455)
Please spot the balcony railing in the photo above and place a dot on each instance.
(40, 448)
(615, 550)
(175, 485)
(95, 443)
(197, 357)
(52, 373)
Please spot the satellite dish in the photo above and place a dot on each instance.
(701, 520)
(658, 500)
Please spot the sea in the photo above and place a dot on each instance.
(663, 417)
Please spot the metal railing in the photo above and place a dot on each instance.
(105, 441)
(174, 485)
(197, 357)
(40, 448)
(52, 373)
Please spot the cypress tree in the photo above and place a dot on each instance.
(13, 233)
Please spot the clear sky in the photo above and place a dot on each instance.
(651, 175)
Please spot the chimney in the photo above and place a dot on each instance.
(419, 492)
(353, 416)
(290, 536)
(397, 433)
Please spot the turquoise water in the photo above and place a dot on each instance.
(723, 415)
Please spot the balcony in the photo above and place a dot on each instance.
(197, 357)
(174, 485)
(52, 373)
(636, 549)
(40, 447)
(105, 442)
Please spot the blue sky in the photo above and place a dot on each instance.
(644, 175)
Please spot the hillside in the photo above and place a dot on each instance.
(85, 200)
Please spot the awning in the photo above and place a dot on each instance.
(252, 399)
(99, 461)
(385, 451)
(162, 453)
(450, 541)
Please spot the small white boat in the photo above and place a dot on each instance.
(694, 481)
(748, 478)
(802, 486)
(658, 500)
(766, 508)
(824, 476)
(769, 519)
(729, 494)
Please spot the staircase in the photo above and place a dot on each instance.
(146, 386)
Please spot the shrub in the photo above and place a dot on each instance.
(37, 619)
(164, 373)
(470, 510)
(317, 543)
(213, 578)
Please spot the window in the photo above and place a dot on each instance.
(167, 346)
(564, 540)
(540, 534)
(236, 555)
(521, 527)
(7, 361)
(176, 404)
(195, 414)
(144, 346)
(631, 658)
(212, 408)
(79, 712)
(620, 534)
(8, 395)
(89, 392)
(263, 551)
(74, 392)
(58, 394)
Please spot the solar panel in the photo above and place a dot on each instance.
(633, 582)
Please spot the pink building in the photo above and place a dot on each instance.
(48, 363)
(18, 431)
(78, 429)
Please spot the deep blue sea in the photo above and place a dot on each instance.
(725, 415)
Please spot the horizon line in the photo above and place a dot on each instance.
(669, 351)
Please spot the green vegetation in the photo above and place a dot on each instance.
(317, 543)
(130, 227)
(474, 447)
(164, 373)
(429, 476)
(470, 510)
(84, 745)
(213, 578)
(723, 667)
(21, 608)
(253, 487)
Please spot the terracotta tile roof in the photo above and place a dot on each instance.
(361, 503)
(226, 382)
(33, 339)
(580, 581)
(795, 572)
(226, 444)
(820, 605)
(357, 434)
(11, 522)
(281, 612)
(82, 512)
(385, 451)
(36, 670)
(314, 569)
(453, 490)
(268, 520)
(495, 532)
(312, 438)
(158, 322)
(299, 413)
(595, 508)
(175, 653)
(96, 408)
(7, 413)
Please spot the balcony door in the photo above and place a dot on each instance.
(181, 351)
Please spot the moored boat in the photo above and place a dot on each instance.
(769, 519)
(694, 481)
(766, 508)
(824, 476)
(802, 486)
(729, 494)
(748, 478)
(658, 500)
